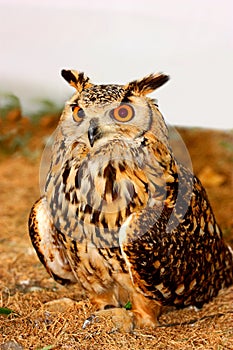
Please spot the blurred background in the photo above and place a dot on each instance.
(118, 41)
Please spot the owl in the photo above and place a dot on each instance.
(119, 215)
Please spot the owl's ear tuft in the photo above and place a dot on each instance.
(147, 84)
(76, 79)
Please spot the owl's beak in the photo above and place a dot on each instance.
(93, 132)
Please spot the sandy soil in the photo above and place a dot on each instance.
(43, 318)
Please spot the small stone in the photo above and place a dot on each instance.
(11, 345)
(59, 305)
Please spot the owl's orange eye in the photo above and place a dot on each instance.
(123, 113)
(78, 113)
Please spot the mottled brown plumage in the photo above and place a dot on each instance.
(119, 214)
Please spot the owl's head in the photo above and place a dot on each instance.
(97, 114)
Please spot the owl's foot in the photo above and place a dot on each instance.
(124, 320)
(142, 312)
(120, 319)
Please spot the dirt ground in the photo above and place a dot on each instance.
(49, 316)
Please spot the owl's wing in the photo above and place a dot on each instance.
(177, 259)
(46, 241)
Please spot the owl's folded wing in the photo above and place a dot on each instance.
(45, 240)
(177, 263)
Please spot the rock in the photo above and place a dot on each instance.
(60, 305)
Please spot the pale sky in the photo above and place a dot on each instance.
(118, 41)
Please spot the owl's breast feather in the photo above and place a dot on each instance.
(100, 190)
